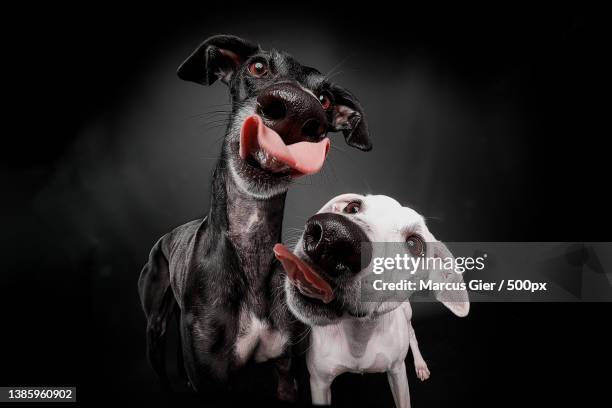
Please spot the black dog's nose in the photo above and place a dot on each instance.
(292, 112)
(332, 241)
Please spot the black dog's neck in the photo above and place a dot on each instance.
(252, 225)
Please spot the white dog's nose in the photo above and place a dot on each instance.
(334, 242)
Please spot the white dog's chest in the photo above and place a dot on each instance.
(359, 348)
(257, 339)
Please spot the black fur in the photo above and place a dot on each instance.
(208, 270)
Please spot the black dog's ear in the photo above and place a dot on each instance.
(216, 58)
(349, 118)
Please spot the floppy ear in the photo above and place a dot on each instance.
(349, 118)
(216, 58)
(457, 301)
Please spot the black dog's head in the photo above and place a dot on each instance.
(281, 112)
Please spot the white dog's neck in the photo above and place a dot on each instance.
(359, 331)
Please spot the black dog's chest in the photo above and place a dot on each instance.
(254, 227)
(258, 338)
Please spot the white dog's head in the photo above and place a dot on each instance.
(332, 259)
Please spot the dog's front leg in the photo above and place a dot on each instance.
(320, 388)
(398, 381)
(286, 387)
(206, 371)
(420, 365)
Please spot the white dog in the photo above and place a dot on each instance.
(325, 276)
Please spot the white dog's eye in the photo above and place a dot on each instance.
(416, 245)
(352, 208)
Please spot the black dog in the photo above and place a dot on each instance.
(219, 273)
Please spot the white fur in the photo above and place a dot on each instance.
(256, 338)
(365, 346)
(379, 342)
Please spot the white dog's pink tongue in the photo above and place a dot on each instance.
(302, 157)
(303, 276)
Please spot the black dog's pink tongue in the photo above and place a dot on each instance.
(302, 276)
(303, 157)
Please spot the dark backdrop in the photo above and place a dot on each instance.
(489, 122)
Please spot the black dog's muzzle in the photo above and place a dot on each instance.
(293, 113)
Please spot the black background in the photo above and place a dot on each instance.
(490, 122)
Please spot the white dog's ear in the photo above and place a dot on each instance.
(456, 300)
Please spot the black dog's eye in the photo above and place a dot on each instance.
(415, 244)
(325, 100)
(258, 68)
(352, 208)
